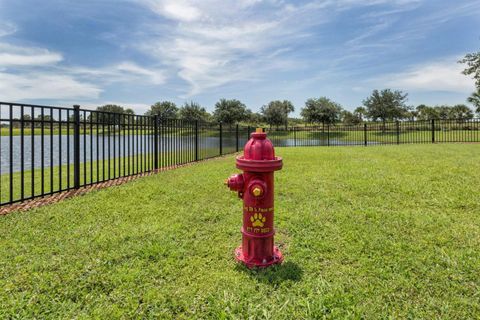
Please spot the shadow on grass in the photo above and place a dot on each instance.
(274, 275)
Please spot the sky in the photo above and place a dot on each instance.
(137, 52)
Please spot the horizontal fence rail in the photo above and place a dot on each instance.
(45, 150)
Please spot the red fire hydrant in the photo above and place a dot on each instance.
(255, 187)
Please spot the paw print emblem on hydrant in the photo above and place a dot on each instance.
(258, 220)
(255, 187)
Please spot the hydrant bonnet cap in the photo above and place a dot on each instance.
(259, 155)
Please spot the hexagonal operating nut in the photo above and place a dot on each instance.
(257, 191)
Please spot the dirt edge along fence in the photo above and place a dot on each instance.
(45, 150)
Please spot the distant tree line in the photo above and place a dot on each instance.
(382, 105)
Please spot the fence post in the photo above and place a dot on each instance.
(221, 138)
(433, 131)
(196, 140)
(155, 141)
(398, 131)
(294, 137)
(236, 136)
(328, 134)
(76, 146)
(365, 133)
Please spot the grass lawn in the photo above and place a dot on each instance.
(377, 232)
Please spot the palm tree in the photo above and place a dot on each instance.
(475, 100)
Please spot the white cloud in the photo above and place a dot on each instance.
(176, 10)
(124, 72)
(26, 56)
(210, 43)
(156, 76)
(443, 75)
(28, 73)
(42, 77)
(32, 85)
(7, 28)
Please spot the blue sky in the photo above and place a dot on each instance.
(137, 52)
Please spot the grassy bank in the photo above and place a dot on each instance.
(230, 133)
(372, 232)
(379, 136)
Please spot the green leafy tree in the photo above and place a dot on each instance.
(443, 112)
(386, 105)
(192, 111)
(111, 114)
(425, 112)
(472, 60)
(411, 114)
(164, 109)
(460, 112)
(230, 111)
(276, 112)
(350, 118)
(475, 100)
(255, 118)
(361, 112)
(25, 117)
(114, 108)
(321, 110)
(46, 117)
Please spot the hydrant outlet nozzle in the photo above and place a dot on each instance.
(235, 182)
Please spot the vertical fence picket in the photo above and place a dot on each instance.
(294, 137)
(155, 142)
(221, 139)
(433, 131)
(397, 126)
(236, 138)
(76, 146)
(365, 134)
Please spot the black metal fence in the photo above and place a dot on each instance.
(378, 133)
(45, 150)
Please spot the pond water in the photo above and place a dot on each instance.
(59, 148)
